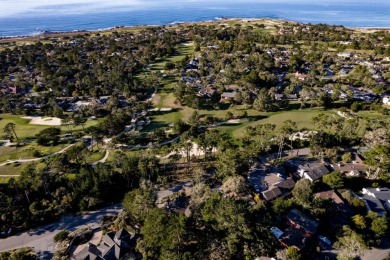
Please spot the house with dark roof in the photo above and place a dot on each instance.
(377, 200)
(312, 171)
(272, 193)
(278, 188)
(299, 220)
(90, 252)
(300, 228)
(113, 246)
(271, 182)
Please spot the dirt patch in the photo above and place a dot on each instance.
(156, 99)
(170, 101)
(187, 112)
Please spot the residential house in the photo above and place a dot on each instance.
(113, 246)
(350, 169)
(377, 200)
(331, 195)
(300, 228)
(277, 186)
(277, 232)
(312, 171)
(279, 96)
(299, 220)
(270, 182)
(300, 76)
(207, 92)
(288, 97)
(292, 97)
(340, 213)
(344, 54)
(328, 74)
(227, 97)
(343, 95)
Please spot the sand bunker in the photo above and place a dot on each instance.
(38, 120)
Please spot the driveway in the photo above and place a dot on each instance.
(378, 253)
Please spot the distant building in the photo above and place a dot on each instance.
(300, 76)
(344, 54)
(228, 96)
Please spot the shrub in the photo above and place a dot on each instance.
(36, 153)
(61, 236)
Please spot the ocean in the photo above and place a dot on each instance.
(21, 17)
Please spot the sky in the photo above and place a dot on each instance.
(13, 7)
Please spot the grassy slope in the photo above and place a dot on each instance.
(26, 152)
(25, 130)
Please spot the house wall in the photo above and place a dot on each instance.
(387, 204)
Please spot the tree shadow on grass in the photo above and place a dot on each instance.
(256, 118)
(154, 126)
(215, 106)
(295, 106)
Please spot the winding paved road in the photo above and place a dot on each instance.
(42, 238)
(103, 160)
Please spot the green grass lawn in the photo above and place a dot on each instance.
(182, 50)
(89, 123)
(11, 169)
(25, 130)
(95, 156)
(371, 114)
(165, 100)
(301, 117)
(22, 127)
(26, 152)
(4, 180)
(135, 153)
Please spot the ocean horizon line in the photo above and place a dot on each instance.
(216, 19)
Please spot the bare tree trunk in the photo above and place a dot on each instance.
(27, 197)
(13, 130)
